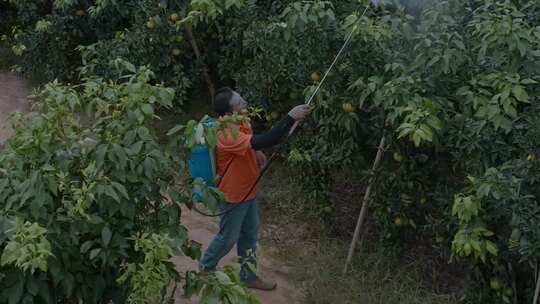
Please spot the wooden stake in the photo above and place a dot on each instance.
(196, 50)
(365, 203)
(537, 290)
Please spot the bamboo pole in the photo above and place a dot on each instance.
(365, 203)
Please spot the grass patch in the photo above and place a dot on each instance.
(373, 278)
(302, 244)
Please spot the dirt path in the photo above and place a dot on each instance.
(13, 93)
(202, 229)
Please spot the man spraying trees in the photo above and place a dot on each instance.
(238, 160)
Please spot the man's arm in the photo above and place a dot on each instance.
(274, 135)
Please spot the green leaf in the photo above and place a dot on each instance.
(488, 233)
(16, 292)
(426, 132)
(147, 109)
(109, 191)
(433, 61)
(86, 246)
(32, 286)
(121, 189)
(136, 148)
(405, 129)
(9, 254)
(148, 167)
(467, 248)
(44, 293)
(51, 184)
(120, 153)
(520, 93)
(106, 235)
(175, 130)
(100, 155)
(492, 248)
(129, 66)
(143, 133)
(69, 284)
(476, 246)
(528, 81)
(459, 44)
(3, 184)
(94, 253)
(417, 139)
(234, 131)
(434, 122)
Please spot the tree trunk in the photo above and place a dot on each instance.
(196, 50)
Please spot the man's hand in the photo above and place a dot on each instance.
(261, 159)
(300, 112)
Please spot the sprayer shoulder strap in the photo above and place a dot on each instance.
(220, 178)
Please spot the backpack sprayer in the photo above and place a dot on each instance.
(202, 163)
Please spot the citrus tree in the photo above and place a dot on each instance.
(453, 86)
(91, 200)
(457, 94)
(51, 38)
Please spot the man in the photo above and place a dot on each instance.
(239, 160)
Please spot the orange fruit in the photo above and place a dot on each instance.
(347, 107)
(315, 76)
(174, 17)
(151, 24)
(293, 96)
(495, 283)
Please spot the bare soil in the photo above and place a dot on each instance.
(202, 230)
(13, 93)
